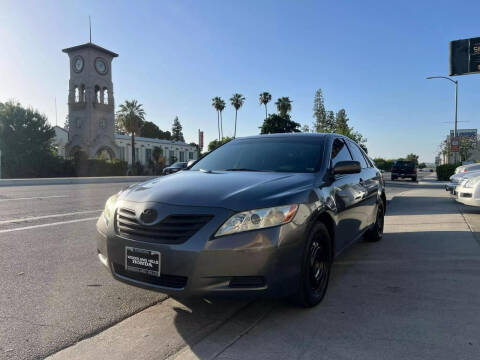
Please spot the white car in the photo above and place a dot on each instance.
(456, 180)
(467, 168)
(468, 192)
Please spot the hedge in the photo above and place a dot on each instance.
(445, 171)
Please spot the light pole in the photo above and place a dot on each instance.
(455, 134)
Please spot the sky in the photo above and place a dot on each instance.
(368, 57)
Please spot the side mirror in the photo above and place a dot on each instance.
(346, 167)
(191, 162)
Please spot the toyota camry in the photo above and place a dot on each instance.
(261, 215)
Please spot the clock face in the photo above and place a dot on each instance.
(101, 66)
(78, 64)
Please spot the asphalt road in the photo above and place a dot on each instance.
(54, 290)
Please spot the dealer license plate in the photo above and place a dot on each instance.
(142, 261)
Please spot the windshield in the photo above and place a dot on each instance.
(300, 155)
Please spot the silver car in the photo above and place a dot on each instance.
(262, 215)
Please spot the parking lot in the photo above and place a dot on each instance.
(414, 295)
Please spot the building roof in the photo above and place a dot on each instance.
(60, 128)
(152, 140)
(91, 46)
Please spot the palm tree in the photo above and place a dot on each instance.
(265, 98)
(221, 107)
(237, 101)
(216, 103)
(284, 105)
(131, 116)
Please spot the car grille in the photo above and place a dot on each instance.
(174, 229)
(171, 281)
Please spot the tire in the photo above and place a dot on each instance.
(394, 178)
(316, 266)
(376, 232)
(414, 179)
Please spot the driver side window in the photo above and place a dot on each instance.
(340, 152)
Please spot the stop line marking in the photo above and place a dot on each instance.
(47, 216)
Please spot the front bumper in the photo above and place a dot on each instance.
(260, 262)
(467, 196)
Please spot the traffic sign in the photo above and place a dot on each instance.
(455, 144)
(465, 56)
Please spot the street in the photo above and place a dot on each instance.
(413, 295)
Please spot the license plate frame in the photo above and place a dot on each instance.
(143, 261)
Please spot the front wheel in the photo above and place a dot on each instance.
(376, 232)
(316, 265)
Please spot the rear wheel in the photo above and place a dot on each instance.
(414, 178)
(376, 232)
(317, 262)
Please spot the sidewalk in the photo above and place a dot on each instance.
(414, 295)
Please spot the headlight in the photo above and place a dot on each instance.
(110, 208)
(257, 219)
(470, 183)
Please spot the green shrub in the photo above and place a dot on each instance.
(445, 171)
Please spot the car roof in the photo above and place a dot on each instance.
(291, 135)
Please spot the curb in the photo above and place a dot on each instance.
(75, 180)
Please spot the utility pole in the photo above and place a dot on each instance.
(455, 131)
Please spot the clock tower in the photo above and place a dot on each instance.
(90, 102)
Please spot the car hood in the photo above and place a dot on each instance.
(235, 190)
(464, 175)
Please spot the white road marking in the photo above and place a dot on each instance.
(47, 216)
(46, 225)
(34, 198)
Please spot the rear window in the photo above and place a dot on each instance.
(404, 164)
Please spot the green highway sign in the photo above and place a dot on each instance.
(465, 56)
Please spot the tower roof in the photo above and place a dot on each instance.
(89, 45)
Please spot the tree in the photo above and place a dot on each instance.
(341, 122)
(305, 128)
(212, 145)
(422, 165)
(237, 101)
(284, 106)
(265, 97)
(221, 107)
(150, 130)
(412, 157)
(275, 124)
(177, 134)
(216, 103)
(131, 117)
(467, 146)
(330, 122)
(319, 113)
(26, 141)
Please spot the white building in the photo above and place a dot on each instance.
(171, 150)
(61, 139)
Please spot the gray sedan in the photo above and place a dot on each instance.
(262, 215)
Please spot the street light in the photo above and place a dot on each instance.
(456, 103)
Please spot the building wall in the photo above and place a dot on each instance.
(61, 140)
(144, 147)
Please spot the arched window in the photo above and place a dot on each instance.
(105, 95)
(77, 94)
(97, 94)
(83, 93)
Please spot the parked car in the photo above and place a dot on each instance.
(467, 168)
(174, 168)
(468, 192)
(404, 169)
(457, 179)
(261, 215)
